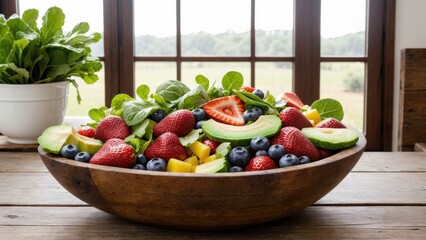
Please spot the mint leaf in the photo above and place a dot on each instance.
(135, 111)
(328, 108)
(232, 80)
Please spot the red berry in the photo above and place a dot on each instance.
(227, 110)
(166, 146)
(212, 144)
(87, 131)
(180, 122)
(260, 163)
(112, 127)
(115, 152)
(293, 117)
(292, 100)
(330, 123)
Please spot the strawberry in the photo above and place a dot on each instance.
(87, 131)
(248, 88)
(112, 127)
(330, 123)
(292, 100)
(180, 122)
(166, 146)
(115, 152)
(212, 144)
(325, 152)
(260, 163)
(293, 117)
(227, 110)
(294, 142)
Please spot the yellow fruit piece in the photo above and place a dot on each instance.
(201, 150)
(208, 159)
(176, 165)
(312, 122)
(193, 160)
(313, 114)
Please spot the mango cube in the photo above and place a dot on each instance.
(176, 165)
(193, 160)
(201, 150)
(313, 114)
(208, 159)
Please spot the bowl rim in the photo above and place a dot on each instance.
(358, 147)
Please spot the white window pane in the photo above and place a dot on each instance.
(276, 77)
(154, 73)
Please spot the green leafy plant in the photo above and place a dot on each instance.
(32, 55)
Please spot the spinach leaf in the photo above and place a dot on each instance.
(143, 91)
(329, 108)
(172, 90)
(232, 80)
(191, 137)
(53, 21)
(203, 81)
(135, 111)
(193, 98)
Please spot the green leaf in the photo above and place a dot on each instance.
(194, 98)
(53, 20)
(143, 91)
(172, 90)
(97, 114)
(191, 137)
(30, 17)
(203, 81)
(329, 108)
(232, 80)
(139, 129)
(118, 100)
(135, 111)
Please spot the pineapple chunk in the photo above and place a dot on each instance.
(176, 165)
(193, 160)
(201, 150)
(208, 159)
(313, 114)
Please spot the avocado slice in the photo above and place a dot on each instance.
(216, 166)
(266, 125)
(331, 138)
(55, 137)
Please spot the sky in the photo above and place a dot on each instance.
(158, 17)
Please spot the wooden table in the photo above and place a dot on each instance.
(384, 197)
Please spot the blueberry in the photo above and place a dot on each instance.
(251, 115)
(158, 115)
(156, 164)
(139, 166)
(259, 93)
(259, 143)
(235, 169)
(198, 124)
(199, 114)
(239, 156)
(261, 153)
(83, 157)
(304, 159)
(141, 159)
(276, 151)
(69, 151)
(259, 110)
(288, 160)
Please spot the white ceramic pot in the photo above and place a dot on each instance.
(26, 110)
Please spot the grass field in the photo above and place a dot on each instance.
(268, 76)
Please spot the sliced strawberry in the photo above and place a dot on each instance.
(248, 88)
(292, 100)
(227, 110)
(87, 131)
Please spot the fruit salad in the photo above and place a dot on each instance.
(208, 129)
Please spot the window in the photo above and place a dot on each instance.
(289, 45)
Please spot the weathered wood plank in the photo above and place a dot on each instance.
(33, 189)
(5, 145)
(21, 162)
(413, 69)
(356, 188)
(314, 222)
(379, 188)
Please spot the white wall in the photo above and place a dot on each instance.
(410, 32)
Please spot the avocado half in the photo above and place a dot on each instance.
(266, 125)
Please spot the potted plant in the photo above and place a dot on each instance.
(36, 67)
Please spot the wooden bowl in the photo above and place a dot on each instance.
(203, 201)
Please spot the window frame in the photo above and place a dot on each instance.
(119, 57)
